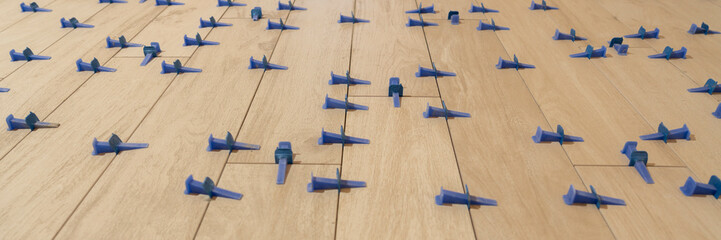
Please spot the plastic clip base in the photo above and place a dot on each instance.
(451, 197)
(264, 64)
(319, 183)
(228, 143)
(229, 3)
(434, 112)
(665, 134)
(338, 79)
(177, 68)
(331, 138)
(73, 23)
(31, 122)
(93, 66)
(340, 104)
(26, 55)
(207, 187)
(542, 6)
(559, 136)
(576, 196)
(691, 187)
(422, 10)
(114, 144)
(669, 53)
(591, 53)
(481, 9)
(512, 64)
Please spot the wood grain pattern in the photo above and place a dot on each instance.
(290, 101)
(385, 48)
(169, 27)
(41, 86)
(495, 152)
(658, 91)
(405, 165)
(659, 210)
(39, 31)
(47, 175)
(271, 211)
(148, 185)
(573, 93)
(674, 20)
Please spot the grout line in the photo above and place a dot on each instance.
(77, 206)
(549, 124)
(345, 122)
(227, 159)
(448, 127)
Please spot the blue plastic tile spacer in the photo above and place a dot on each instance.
(340, 104)
(73, 23)
(422, 9)
(512, 64)
(481, 9)
(717, 113)
(256, 13)
(4, 89)
(413, 22)
(167, 3)
(617, 43)
(121, 43)
(559, 136)
(177, 68)
(455, 20)
(228, 143)
(643, 34)
(434, 112)
(211, 23)
(710, 87)
(93, 66)
(338, 79)
(33, 7)
(330, 138)
(264, 64)
(283, 157)
(26, 55)
(289, 6)
(637, 159)
(703, 29)
(280, 25)
(577, 196)
(485, 26)
(351, 19)
(451, 197)
(207, 187)
(669, 53)
(451, 14)
(395, 90)
(571, 36)
(543, 6)
(319, 183)
(197, 41)
(591, 53)
(432, 72)
(30, 122)
(665, 134)
(691, 187)
(150, 52)
(112, 1)
(229, 3)
(114, 144)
